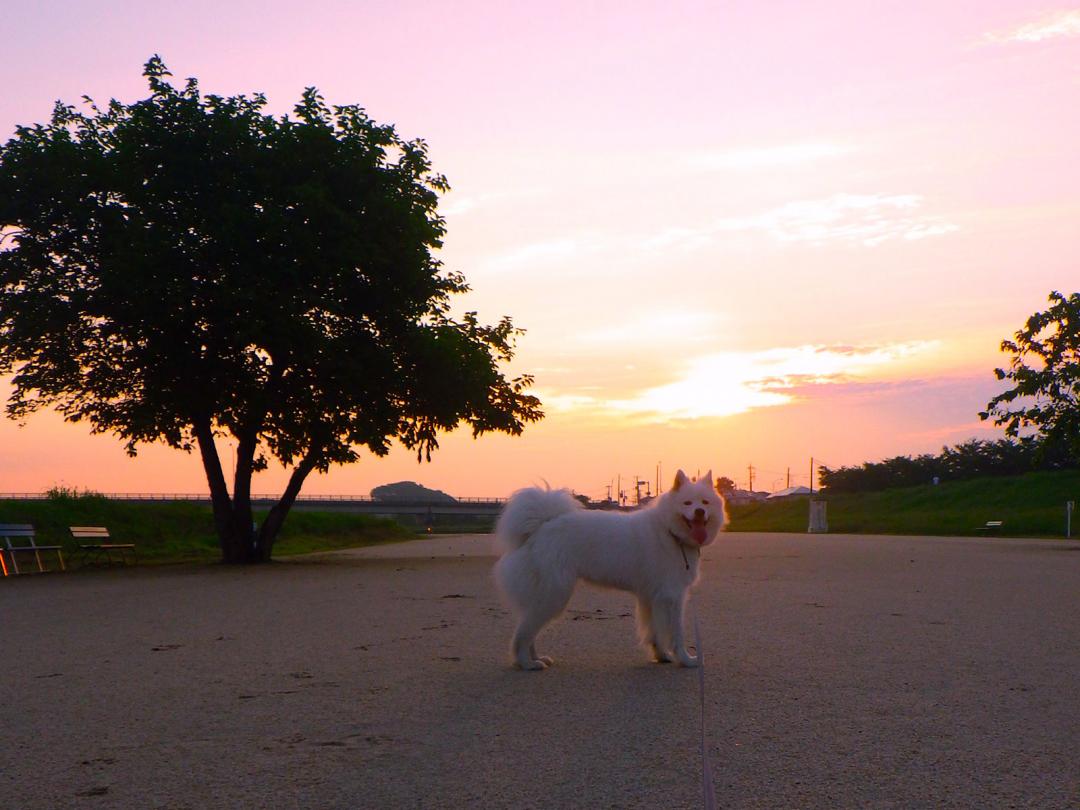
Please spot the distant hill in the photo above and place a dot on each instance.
(410, 491)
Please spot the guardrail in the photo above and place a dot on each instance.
(189, 496)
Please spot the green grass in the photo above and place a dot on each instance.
(184, 532)
(1031, 505)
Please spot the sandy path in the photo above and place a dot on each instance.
(843, 672)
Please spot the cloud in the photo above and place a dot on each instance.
(869, 219)
(454, 205)
(950, 434)
(566, 402)
(1051, 26)
(858, 219)
(866, 219)
(546, 252)
(682, 326)
(767, 157)
(727, 383)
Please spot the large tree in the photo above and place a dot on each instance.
(189, 267)
(1045, 375)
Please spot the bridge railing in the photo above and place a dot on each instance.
(199, 496)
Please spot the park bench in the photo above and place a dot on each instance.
(25, 533)
(102, 551)
(992, 526)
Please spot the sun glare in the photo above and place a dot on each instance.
(730, 383)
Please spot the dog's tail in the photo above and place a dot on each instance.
(528, 510)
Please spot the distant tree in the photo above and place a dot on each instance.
(970, 459)
(1045, 395)
(188, 267)
(724, 485)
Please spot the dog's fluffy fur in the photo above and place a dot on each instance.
(549, 542)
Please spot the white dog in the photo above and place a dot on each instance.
(550, 541)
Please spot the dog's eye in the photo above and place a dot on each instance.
(687, 503)
(705, 502)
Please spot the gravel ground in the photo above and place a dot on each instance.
(841, 671)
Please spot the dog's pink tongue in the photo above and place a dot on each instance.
(697, 532)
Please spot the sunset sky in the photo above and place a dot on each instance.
(736, 233)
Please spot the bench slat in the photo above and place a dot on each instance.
(16, 530)
(88, 533)
(101, 552)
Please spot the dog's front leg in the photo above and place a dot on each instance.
(652, 627)
(678, 638)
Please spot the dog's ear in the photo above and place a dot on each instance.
(708, 477)
(680, 479)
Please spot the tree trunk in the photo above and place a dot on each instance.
(268, 532)
(232, 517)
(242, 524)
(241, 543)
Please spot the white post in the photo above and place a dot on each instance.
(1069, 507)
(819, 524)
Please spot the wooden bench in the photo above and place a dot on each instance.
(992, 526)
(25, 532)
(102, 551)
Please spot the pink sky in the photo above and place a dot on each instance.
(741, 233)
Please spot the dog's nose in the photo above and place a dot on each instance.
(699, 514)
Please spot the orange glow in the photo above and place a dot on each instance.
(735, 235)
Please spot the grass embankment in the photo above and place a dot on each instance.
(1031, 505)
(184, 532)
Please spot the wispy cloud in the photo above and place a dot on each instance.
(857, 219)
(456, 205)
(545, 252)
(1056, 25)
(866, 219)
(728, 383)
(682, 326)
(784, 156)
(869, 219)
(956, 432)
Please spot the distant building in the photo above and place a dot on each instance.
(790, 492)
(741, 496)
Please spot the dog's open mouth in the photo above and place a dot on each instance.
(698, 528)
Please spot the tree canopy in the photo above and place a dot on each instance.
(188, 266)
(1045, 375)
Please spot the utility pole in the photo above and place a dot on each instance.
(811, 475)
(750, 470)
(788, 484)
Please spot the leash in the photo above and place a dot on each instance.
(707, 789)
(682, 547)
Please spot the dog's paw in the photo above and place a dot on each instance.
(662, 658)
(688, 661)
(530, 666)
(546, 660)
